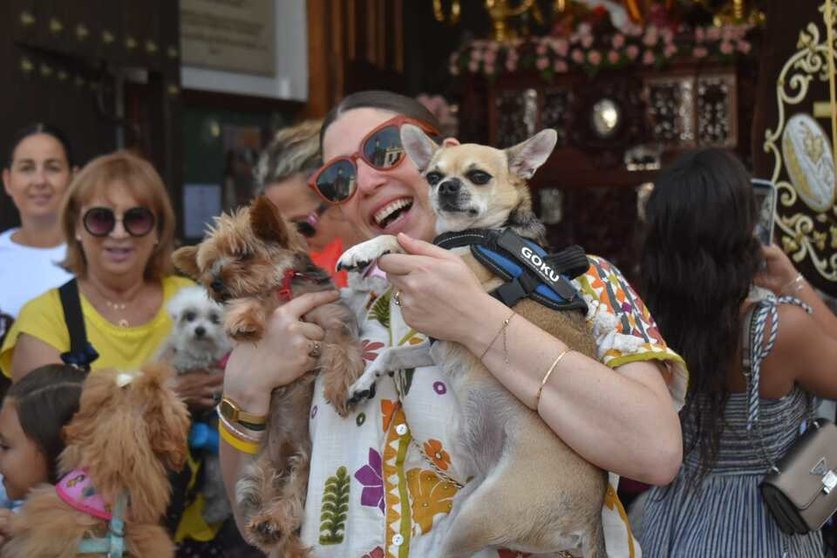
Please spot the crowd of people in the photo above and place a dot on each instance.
(664, 401)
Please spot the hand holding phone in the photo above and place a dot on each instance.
(765, 192)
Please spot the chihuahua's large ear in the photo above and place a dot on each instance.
(526, 157)
(186, 260)
(418, 145)
(266, 222)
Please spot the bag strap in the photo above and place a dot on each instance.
(755, 346)
(81, 353)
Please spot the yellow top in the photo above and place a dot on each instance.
(124, 348)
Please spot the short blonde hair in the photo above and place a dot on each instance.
(144, 183)
(294, 150)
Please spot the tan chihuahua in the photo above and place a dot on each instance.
(252, 261)
(529, 491)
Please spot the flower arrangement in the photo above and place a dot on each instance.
(591, 51)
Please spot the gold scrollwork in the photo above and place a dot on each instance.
(814, 59)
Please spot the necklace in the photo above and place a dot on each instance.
(119, 307)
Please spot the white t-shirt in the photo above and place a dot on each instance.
(26, 272)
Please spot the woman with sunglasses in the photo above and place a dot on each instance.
(36, 176)
(282, 174)
(394, 458)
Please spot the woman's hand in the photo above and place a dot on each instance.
(440, 296)
(6, 517)
(779, 271)
(254, 370)
(198, 390)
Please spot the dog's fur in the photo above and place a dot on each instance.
(128, 439)
(242, 264)
(197, 344)
(530, 491)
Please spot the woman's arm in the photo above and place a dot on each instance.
(30, 353)
(254, 370)
(781, 277)
(622, 420)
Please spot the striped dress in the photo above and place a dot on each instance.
(724, 515)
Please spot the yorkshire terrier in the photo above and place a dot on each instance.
(252, 261)
(129, 432)
(198, 344)
(479, 187)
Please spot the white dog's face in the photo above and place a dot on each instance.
(197, 333)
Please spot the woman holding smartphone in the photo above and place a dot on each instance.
(699, 264)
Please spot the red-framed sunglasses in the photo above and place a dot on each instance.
(336, 181)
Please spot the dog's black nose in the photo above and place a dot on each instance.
(450, 187)
(200, 331)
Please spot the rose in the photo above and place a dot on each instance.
(632, 51)
(648, 58)
(618, 40)
(699, 52)
(613, 57)
(577, 56)
(542, 63)
(560, 67)
(726, 48)
(511, 63)
(744, 47)
(562, 46)
(699, 35)
(490, 57)
(540, 49)
(587, 41)
(594, 57)
(473, 66)
(669, 51)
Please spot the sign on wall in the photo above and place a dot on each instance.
(232, 35)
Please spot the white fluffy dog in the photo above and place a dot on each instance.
(197, 341)
(198, 344)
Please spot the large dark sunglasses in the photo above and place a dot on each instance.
(336, 181)
(307, 227)
(100, 221)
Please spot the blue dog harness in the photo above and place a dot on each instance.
(113, 545)
(529, 271)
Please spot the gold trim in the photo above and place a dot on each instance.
(814, 59)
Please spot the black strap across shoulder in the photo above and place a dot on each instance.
(81, 353)
(529, 271)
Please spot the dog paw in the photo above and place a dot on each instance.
(245, 330)
(265, 532)
(363, 388)
(361, 255)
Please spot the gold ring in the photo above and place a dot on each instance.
(316, 350)
(396, 298)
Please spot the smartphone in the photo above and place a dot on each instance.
(765, 192)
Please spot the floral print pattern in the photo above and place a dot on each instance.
(373, 483)
(431, 496)
(433, 450)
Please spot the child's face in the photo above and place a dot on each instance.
(22, 464)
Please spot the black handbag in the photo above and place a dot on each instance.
(800, 490)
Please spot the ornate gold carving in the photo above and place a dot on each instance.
(806, 235)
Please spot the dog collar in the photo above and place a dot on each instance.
(285, 293)
(77, 490)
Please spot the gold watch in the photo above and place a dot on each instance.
(231, 411)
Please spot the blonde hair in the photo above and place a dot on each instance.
(143, 183)
(294, 150)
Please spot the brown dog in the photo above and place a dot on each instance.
(130, 430)
(253, 261)
(529, 490)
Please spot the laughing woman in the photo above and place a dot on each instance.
(394, 462)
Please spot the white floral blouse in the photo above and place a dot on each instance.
(383, 478)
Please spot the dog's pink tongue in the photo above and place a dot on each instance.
(374, 271)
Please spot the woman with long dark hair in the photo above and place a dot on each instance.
(699, 265)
